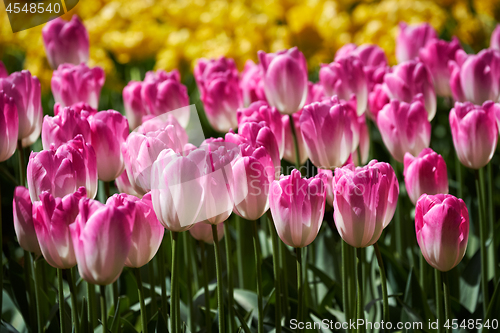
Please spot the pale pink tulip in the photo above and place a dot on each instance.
(411, 39)
(23, 220)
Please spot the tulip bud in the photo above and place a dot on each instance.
(52, 218)
(3, 71)
(411, 39)
(203, 232)
(442, 228)
(9, 127)
(66, 42)
(346, 77)
(24, 89)
(289, 154)
(326, 128)
(63, 171)
(495, 39)
(436, 55)
(102, 238)
(285, 79)
(72, 84)
(404, 128)
(297, 206)
(475, 133)
(23, 220)
(408, 80)
(132, 101)
(252, 84)
(476, 77)
(220, 93)
(63, 127)
(425, 173)
(109, 130)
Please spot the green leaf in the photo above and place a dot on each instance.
(492, 312)
(415, 300)
(470, 283)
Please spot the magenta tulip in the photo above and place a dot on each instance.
(364, 142)
(23, 220)
(80, 108)
(405, 128)
(101, 239)
(252, 84)
(409, 79)
(63, 127)
(328, 179)
(109, 130)
(475, 78)
(63, 171)
(9, 127)
(411, 39)
(297, 206)
(388, 177)
(52, 218)
(203, 232)
(72, 84)
(377, 99)
(3, 71)
(495, 39)
(326, 128)
(425, 173)
(435, 55)
(475, 133)
(285, 79)
(289, 153)
(218, 82)
(346, 77)
(66, 42)
(132, 101)
(442, 227)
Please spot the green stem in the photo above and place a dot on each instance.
(140, 289)
(422, 272)
(491, 215)
(258, 270)
(229, 262)
(284, 283)
(239, 251)
(300, 285)
(439, 300)
(28, 277)
(74, 305)
(187, 260)
(104, 311)
(22, 166)
(351, 280)
(174, 304)
(345, 286)
(35, 268)
(398, 236)
(91, 305)
(383, 282)
(208, 319)
(160, 266)
(482, 236)
(60, 293)
(276, 271)
(152, 287)
(361, 301)
(447, 304)
(116, 294)
(8, 176)
(218, 268)
(295, 143)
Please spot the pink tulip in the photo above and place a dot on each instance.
(72, 84)
(153, 124)
(79, 108)
(109, 130)
(411, 39)
(425, 173)
(285, 79)
(475, 133)
(326, 128)
(495, 39)
(24, 89)
(404, 128)
(147, 232)
(203, 232)
(435, 55)
(328, 179)
(361, 203)
(261, 111)
(102, 239)
(163, 92)
(377, 99)
(52, 218)
(220, 93)
(66, 42)
(123, 185)
(364, 142)
(442, 227)
(407, 81)
(475, 78)
(23, 220)
(63, 127)
(3, 71)
(141, 150)
(289, 154)
(63, 171)
(132, 101)
(9, 127)
(346, 77)
(252, 84)
(297, 206)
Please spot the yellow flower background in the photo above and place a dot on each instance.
(173, 34)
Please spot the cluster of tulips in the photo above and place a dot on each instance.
(166, 182)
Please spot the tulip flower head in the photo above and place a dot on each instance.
(23, 220)
(203, 232)
(9, 127)
(64, 126)
(252, 84)
(442, 228)
(289, 153)
(411, 39)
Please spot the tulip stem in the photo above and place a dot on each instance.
(74, 306)
(152, 287)
(91, 307)
(295, 143)
(35, 269)
(276, 271)
(491, 215)
(239, 251)
(28, 274)
(282, 252)
(140, 289)
(383, 283)
(174, 297)
(22, 167)
(345, 287)
(439, 300)
(447, 304)
(230, 295)
(300, 287)
(60, 293)
(160, 262)
(208, 319)
(482, 236)
(258, 270)
(104, 311)
(361, 302)
(218, 268)
(187, 260)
